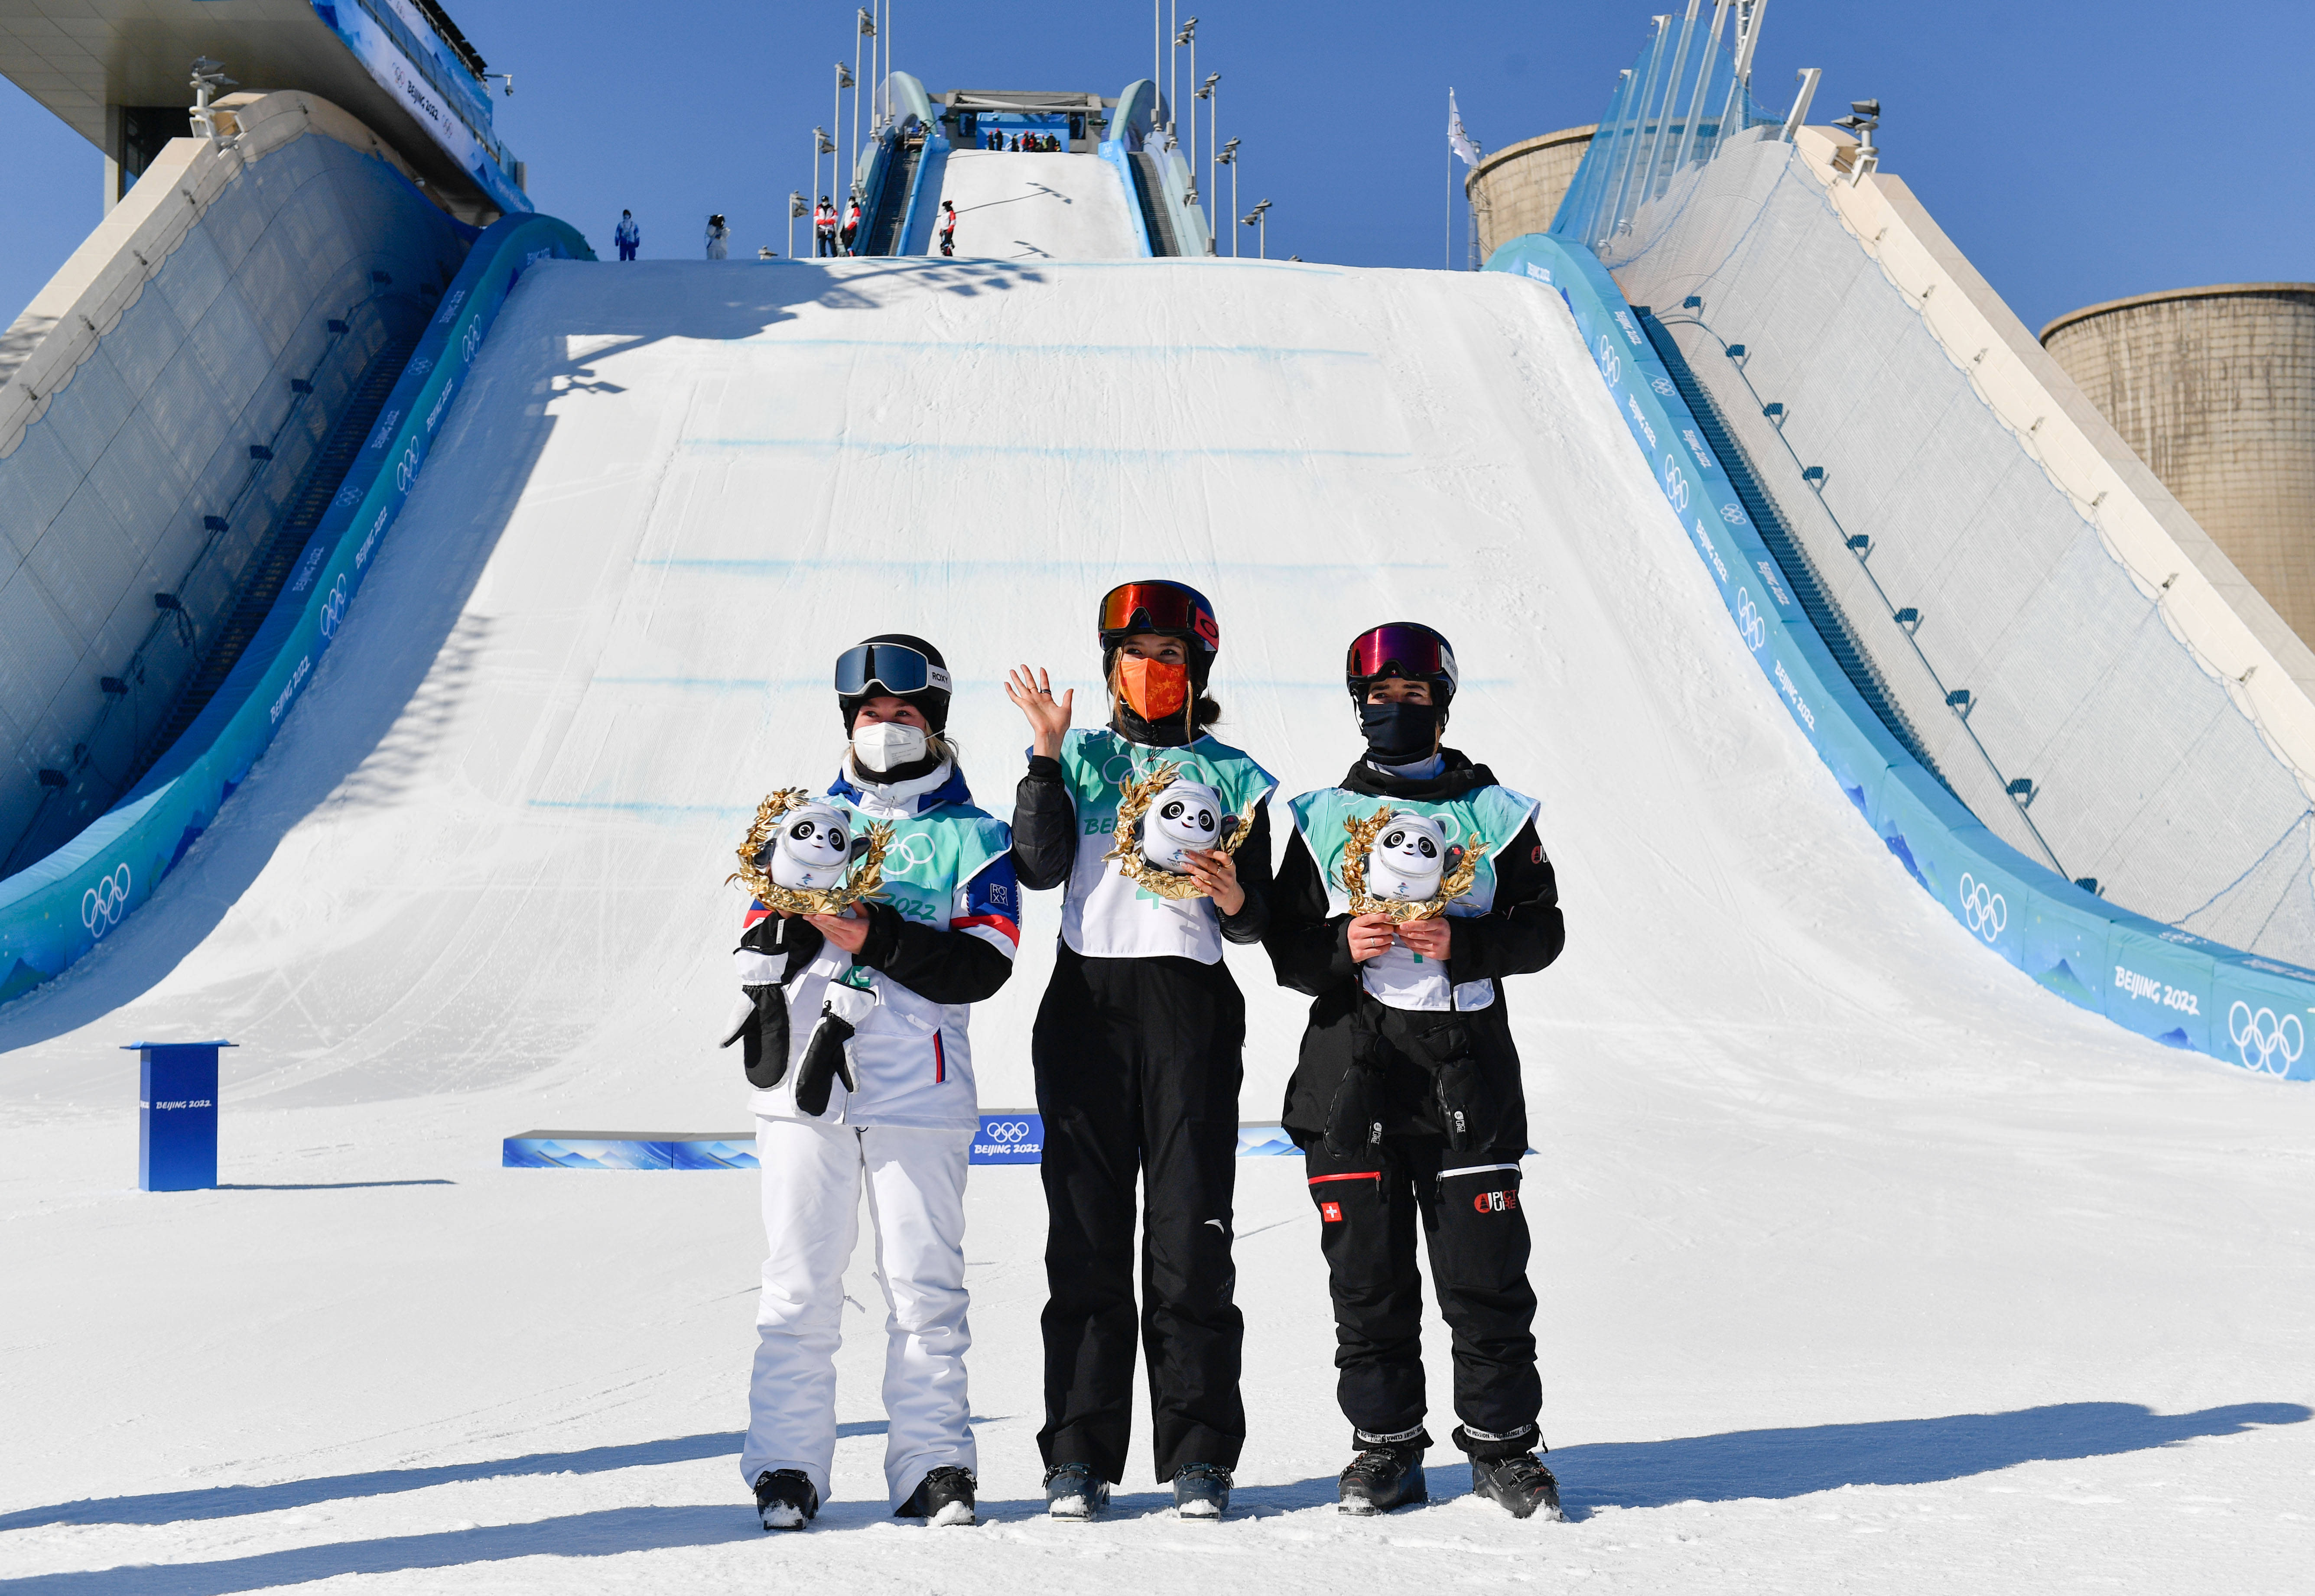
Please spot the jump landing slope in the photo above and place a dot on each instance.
(1864, 1262)
(1037, 206)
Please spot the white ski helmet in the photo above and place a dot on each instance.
(813, 847)
(1408, 857)
(1185, 817)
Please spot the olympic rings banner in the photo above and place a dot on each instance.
(56, 910)
(2170, 984)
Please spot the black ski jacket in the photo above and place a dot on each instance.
(1433, 1065)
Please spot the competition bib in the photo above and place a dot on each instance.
(1484, 820)
(1105, 915)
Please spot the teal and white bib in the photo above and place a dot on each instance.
(1485, 820)
(1104, 914)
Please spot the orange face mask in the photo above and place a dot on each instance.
(1153, 688)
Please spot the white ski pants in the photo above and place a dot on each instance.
(813, 1175)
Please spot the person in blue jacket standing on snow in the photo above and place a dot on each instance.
(854, 1028)
(628, 236)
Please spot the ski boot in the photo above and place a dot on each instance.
(1201, 1492)
(1074, 1492)
(785, 1499)
(1520, 1484)
(1385, 1475)
(943, 1496)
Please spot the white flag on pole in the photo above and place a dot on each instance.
(1457, 139)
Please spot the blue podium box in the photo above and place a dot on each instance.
(176, 1115)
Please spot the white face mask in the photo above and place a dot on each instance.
(885, 745)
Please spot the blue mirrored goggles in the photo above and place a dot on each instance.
(894, 667)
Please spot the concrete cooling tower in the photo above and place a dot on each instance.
(2214, 388)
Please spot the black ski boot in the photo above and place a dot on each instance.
(785, 1499)
(1074, 1492)
(1202, 1491)
(943, 1496)
(1385, 1475)
(1520, 1484)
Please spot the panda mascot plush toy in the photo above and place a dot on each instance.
(1408, 859)
(813, 848)
(1185, 817)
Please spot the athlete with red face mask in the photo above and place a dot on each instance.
(1137, 1048)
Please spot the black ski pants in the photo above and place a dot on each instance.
(1477, 1234)
(1138, 1065)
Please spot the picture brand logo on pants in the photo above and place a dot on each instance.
(1495, 1201)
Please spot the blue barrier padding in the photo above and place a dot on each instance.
(1011, 1137)
(922, 221)
(2170, 984)
(55, 911)
(1112, 150)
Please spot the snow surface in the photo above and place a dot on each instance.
(1864, 1264)
(1037, 206)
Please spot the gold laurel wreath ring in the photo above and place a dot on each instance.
(1452, 886)
(864, 881)
(1125, 850)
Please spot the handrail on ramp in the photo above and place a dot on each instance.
(2184, 991)
(56, 911)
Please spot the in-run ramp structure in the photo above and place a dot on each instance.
(1825, 1196)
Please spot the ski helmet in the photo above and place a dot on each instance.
(907, 668)
(1407, 649)
(1170, 609)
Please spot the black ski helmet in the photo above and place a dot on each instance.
(1168, 608)
(906, 668)
(1407, 649)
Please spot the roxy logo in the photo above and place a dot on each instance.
(103, 904)
(1495, 1201)
(2264, 1043)
(1982, 909)
(2132, 984)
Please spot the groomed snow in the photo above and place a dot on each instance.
(1865, 1263)
(1037, 206)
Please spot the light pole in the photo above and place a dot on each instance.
(822, 145)
(1209, 92)
(1228, 156)
(796, 210)
(1172, 62)
(837, 168)
(863, 69)
(1189, 36)
(1257, 218)
(1157, 56)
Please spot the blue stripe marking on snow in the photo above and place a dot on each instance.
(942, 570)
(723, 446)
(918, 346)
(638, 807)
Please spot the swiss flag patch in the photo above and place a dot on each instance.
(1331, 1213)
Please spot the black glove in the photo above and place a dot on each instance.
(1441, 1045)
(825, 1059)
(760, 1025)
(1355, 1118)
(761, 1028)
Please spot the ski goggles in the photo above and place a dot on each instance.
(894, 667)
(1404, 650)
(1159, 607)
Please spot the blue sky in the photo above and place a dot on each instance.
(2076, 152)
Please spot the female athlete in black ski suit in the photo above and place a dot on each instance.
(1138, 1054)
(1406, 1099)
